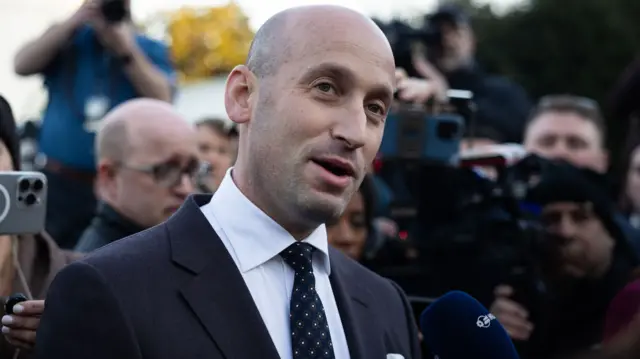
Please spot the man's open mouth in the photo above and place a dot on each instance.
(336, 167)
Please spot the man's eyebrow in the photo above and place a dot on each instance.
(343, 74)
(329, 69)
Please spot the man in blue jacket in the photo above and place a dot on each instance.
(91, 62)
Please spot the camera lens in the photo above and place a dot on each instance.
(30, 199)
(24, 185)
(38, 185)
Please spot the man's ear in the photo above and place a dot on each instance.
(106, 186)
(240, 87)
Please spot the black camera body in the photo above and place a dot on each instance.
(402, 38)
(114, 11)
(472, 233)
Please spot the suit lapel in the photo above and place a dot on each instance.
(352, 301)
(217, 294)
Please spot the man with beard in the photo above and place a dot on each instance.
(248, 272)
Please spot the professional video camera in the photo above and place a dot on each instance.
(465, 215)
(114, 11)
(428, 37)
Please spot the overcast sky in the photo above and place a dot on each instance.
(21, 20)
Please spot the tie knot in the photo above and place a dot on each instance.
(298, 256)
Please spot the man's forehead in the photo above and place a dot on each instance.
(563, 123)
(566, 207)
(343, 58)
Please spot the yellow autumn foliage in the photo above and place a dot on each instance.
(207, 42)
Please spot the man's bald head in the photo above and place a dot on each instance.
(321, 77)
(139, 120)
(284, 34)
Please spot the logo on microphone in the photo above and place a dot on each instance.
(484, 321)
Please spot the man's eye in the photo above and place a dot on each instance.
(375, 108)
(325, 87)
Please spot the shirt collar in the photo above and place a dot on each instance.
(254, 236)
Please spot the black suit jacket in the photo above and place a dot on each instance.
(173, 291)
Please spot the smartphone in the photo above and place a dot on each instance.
(413, 134)
(23, 202)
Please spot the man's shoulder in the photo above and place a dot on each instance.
(141, 248)
(354, 272)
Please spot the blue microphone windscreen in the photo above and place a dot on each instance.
(457, 326)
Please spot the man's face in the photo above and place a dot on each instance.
(587, 247)
(319, 121)
(216, 149)
(152, 182)
(567, 136)
(457, 47)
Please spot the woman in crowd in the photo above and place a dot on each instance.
(216, 148)
(358, 232)
(353, 231)
(28, 263)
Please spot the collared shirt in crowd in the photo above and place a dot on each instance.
(254, 241)
(82, 71)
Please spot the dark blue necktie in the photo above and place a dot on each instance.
(310, 337)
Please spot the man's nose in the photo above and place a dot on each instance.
(185, 187)
(351, 128)
(559, 152)
(567, 227)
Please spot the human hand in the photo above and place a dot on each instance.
(19, 328)
(512, 316)
(420, 90)
(117, 37)
(387, 226)
(89, 10)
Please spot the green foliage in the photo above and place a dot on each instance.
(577, 46)
(560, 46)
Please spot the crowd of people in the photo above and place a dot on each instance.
(259, 237)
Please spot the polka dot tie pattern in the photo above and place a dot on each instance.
(310, 337)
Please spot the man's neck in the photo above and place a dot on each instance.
(288, 222)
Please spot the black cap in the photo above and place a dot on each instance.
(562, 182)
(449, 13)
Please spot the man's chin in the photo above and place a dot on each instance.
(324, 207)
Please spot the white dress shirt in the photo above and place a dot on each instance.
(255, 241)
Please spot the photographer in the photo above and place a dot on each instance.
(446, 61)
(28, 263)
(90, 62)
(588, 263)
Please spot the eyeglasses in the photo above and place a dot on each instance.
(169, 174)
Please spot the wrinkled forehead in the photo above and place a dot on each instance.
(363, 54)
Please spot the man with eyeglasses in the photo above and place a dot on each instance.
(147, 160)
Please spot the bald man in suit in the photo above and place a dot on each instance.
(247, 273)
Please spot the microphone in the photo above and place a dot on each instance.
(457, 326)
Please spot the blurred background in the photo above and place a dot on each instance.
(521, 187)
(21, 21)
